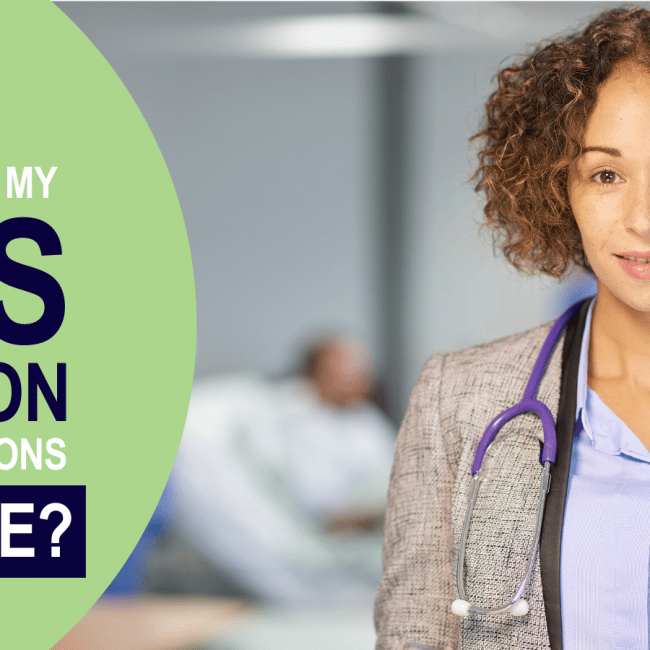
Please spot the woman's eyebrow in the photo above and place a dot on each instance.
(607, 150)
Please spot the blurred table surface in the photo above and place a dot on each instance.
(216, 624)
(316, 629)
(152, 623)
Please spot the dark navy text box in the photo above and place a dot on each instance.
(71, 549)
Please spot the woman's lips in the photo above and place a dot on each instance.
(636, 269)
(643, 254)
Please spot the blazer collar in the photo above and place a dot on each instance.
(551, 536)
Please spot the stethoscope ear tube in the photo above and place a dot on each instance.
(527, 404)
(517, 606)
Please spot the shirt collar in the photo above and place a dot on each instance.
(581, 411)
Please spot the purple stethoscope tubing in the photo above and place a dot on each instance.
(528, 401)
(517, 606)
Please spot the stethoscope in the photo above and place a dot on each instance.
(517, 606)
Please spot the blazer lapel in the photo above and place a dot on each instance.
(551, 536)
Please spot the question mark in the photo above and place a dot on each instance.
(61, 528)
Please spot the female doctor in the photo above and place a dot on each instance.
(565, 166)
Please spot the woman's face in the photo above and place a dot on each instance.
(609, 188)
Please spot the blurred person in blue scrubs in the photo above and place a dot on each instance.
(280, 485)
(130, 581)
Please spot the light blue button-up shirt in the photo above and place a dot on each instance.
(604, 566)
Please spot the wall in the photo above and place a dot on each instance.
(269, 161)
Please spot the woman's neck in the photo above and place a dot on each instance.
(619, 346)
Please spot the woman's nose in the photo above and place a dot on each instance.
(638, 217)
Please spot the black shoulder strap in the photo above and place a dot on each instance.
(551, 537)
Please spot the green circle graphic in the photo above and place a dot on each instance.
(128, 336)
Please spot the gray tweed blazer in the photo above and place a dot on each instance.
(453, 401)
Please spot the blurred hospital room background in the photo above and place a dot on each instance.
(320, 155)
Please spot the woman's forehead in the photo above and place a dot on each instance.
(622, 110)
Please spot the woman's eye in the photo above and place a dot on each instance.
(606, 177)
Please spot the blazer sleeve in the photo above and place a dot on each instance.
(418, 586)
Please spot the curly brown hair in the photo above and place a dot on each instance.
(533, 133)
